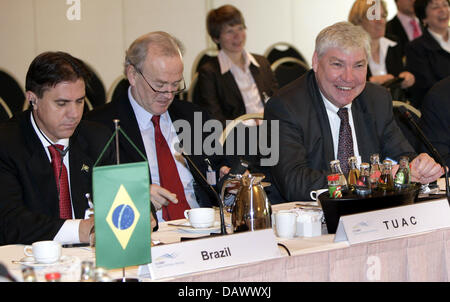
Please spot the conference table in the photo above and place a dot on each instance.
(417, 257)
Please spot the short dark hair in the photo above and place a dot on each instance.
(420, 8)
(219, 17)
(51, 68)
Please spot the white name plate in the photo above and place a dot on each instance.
(394, 222)
(211, 253)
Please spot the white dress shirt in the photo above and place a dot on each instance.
(144, 119)
(245, 81)
(444, 44)
(380, 68)
(68, 233)
(335, 125)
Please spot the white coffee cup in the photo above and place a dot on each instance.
(44, 251)
(314, 194)
(200, 217)
(285, 224)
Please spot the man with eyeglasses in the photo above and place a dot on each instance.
(148, 112)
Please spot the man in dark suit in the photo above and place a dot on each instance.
(332, 112)
(435, 119)
(405, 26)
(39, 201)
(154, 69)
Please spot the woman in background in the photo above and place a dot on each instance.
(386, 61)
(428, 57)
(235, 82)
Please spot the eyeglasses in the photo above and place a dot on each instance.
(182, 84)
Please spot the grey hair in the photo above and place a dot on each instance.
(343, 35)
(162, 44)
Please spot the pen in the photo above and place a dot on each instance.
(75, 245)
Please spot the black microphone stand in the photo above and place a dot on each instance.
(429, 146)
(223, 230)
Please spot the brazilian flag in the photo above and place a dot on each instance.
(122, 215)
(121, 211)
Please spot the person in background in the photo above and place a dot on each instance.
(235, 82)
(435, 119)
(405, 26)
(46, 157)
(428, 57)
(385, 60)
(148, 112)
(332, 112)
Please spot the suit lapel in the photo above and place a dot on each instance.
(230, 82)
(257, 76)
(81, 166)
(39, 166)
(322, 117)
(362, 121)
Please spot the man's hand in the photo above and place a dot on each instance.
(424, 169)
(161, 197)
(85, 228)
(152, 220)
(408, 79)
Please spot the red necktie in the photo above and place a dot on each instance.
(168, 175)
(345, 146)
(62, 182)
(416, 30)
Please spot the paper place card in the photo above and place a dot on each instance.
(394, 222)
(211, 253)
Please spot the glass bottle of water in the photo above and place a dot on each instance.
(386, 182)
(335, 166)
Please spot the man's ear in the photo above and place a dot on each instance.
(131, 75)
(315, 61)
(32, 98)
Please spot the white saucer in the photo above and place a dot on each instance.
(30, 261)
(186, 227)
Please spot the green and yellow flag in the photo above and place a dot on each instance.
(122, 215)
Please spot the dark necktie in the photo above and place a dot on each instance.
(416, 30)
(62, 182)
(168, 175)
(345, 146)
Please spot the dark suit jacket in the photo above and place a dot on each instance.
(29, 206)
(219, 94)
(394, 28)
(435, 119)
(306, 144)
(178, 110)
(429, 63)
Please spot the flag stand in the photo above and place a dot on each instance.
(116, 125)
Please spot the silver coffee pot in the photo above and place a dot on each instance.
(251, 209)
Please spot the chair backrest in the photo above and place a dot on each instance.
(5, 112)
(288, 69)
(95, 91)
(253, 159)
(407, 106)
(236, 121)
(203, 57)
(11, 93)
(281, 50)
(118, 89)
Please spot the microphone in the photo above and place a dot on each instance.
(431, 148)
(223, 230)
